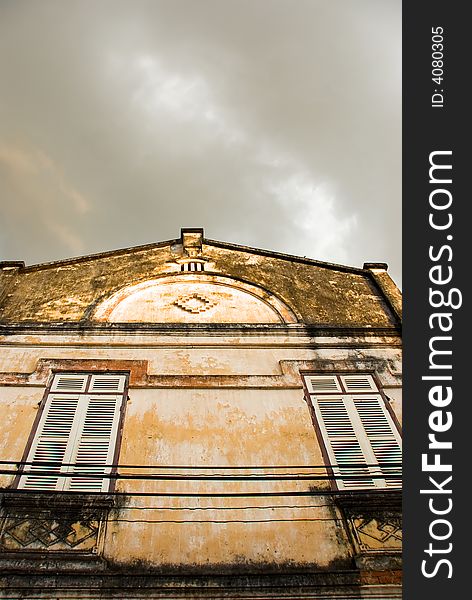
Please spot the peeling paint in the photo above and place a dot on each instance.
(204, 394)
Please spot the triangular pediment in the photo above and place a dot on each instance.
(289, 289)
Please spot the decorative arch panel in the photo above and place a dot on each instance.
(193, 298)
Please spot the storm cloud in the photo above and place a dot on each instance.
(270, 123)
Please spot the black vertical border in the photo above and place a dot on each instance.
(427, 129)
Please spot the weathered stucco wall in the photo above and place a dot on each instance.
(317, 293)
(203, 355)
(223, 428)
(214, 359)
(19, 407)
(205, 401)
(211, 427)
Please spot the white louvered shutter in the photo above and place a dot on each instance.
(358, 383)
(69, 383)
(107, 384)
(319, 384)
(361, 439)
(383, 436)
(344, 445)
(77, 430)
(94, 446)
(52, 443)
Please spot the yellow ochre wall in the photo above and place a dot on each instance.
(214, 361)
(204, 401)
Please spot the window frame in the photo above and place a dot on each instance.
(42, 406)
(319, 433)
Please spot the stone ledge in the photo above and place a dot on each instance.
(371, 500)
(54, 500)
(343, 585)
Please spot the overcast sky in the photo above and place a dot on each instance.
(270, 123)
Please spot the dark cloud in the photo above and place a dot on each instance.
(273, 123)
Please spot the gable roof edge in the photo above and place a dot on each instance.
(97, 255)
(288, 257)
(216, 243)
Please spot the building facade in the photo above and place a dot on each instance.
(194, 418)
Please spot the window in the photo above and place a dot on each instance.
(360, 438)
(77, 431)
(193, 266)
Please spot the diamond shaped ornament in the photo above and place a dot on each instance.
(194, 303)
